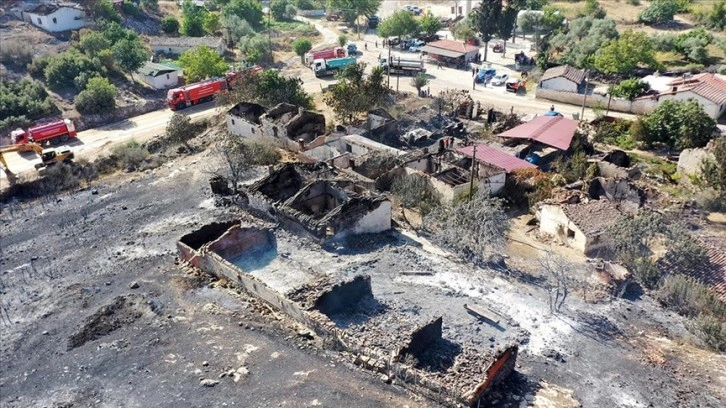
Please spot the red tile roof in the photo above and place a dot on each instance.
(565, 71)
(712, 274)
(495, 157)
(452, 45)
(555, 131)
(711, 88)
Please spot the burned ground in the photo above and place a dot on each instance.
(69, 264)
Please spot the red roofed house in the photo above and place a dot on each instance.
(707, 89)
(555, 131)
(563, 78)
(450, 51)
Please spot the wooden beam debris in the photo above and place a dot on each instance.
(481, 313)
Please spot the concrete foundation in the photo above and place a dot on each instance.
(346, 314)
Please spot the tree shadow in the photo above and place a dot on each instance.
(366, 243)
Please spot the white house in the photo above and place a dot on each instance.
(179, 45)
(563, 78)
(159, 76)
(56, 17)
(707, 89)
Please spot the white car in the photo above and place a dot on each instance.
(500, 79)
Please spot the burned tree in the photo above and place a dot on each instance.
(241, 156)
(558, 272)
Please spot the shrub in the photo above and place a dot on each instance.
(130, 155)
(659, 11)
(22, 102)
(414, 192)
(99, 97)
(16, 55)
(712, 331)
(278, 9)
(170, 25)
(63, 69)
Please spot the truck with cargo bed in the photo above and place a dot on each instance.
(327, 53)
(330, 67)
(403, 66)
(50, 133)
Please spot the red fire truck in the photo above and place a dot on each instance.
(180, 98)
(54, 133)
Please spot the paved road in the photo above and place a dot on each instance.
(440, 79)
(90, 143)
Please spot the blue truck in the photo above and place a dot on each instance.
(323, 67)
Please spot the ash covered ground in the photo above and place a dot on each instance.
(96, 312)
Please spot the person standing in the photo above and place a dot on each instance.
(365, 45)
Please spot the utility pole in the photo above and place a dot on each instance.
(582, 115)
(389, 64)
(399, 75)
(471, 179)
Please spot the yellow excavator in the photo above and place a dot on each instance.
(48, 156)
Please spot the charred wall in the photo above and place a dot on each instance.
(237, 241)
(207, 233)
(423, 338)
(344, 297)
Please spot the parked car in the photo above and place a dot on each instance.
(500, 79)
(485, 75)
(416, 10)
(333, 16)
(512, 84)
(352, 49)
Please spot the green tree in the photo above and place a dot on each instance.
(680, 124)
(301, 46)
(464, 30)
(626, 53)
(586, 36)
(268, 88)
(180, 130)
(354, 94)
(399, 24)
(659, 11)
(692, 44)
(192, 19)
(150, 4)
(212, 23)
(593, 8)
(93, 42)
(202, 62)
(430, 24)
(352, 9)
(170, 25)
(632, 239)
(23, 101)
(248, 10)
(235, 28)
(630, 88)
(130, 54)
(342, 40)
(505, 27)
(99, 97)
(419, 81)
(414, 192)
(62, 69)
(486, 21)
(716, 18)
(255, 48)
(102, 10)
(278, 8)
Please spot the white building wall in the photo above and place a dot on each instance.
(63, 19)
(709, 107)
(553, 221)
(377, 220)
(559, 84)
(242, 127)
(163, 81)
(494, 183)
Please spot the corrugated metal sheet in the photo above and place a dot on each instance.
(495, 157)
(555, 131)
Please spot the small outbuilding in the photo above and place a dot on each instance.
(555, 131)
(451, 52)
(564, 78)
(582, 226)
(159, 76)
(180, 45)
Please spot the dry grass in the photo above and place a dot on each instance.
(169, 8)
